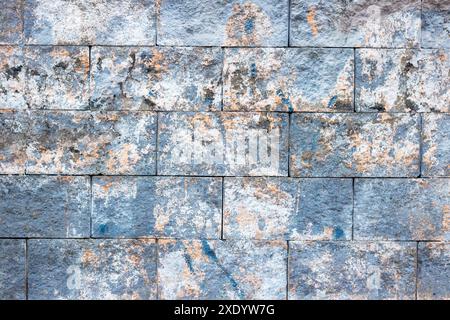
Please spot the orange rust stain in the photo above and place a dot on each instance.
(310, 18)
(89, 258)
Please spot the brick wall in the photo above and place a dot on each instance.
(265, 149)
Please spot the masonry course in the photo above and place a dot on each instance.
(262, 149)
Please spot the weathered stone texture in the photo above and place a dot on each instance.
(187, 79)
(352, 270)
(278, 79)
(435, 24)
(223, 144)
(222, 269)
(433, 280)
(13, 129)
(12, 78)
(286, 208)
(361, 23)
(435, 144)
(12, 269)
(402, 209)
(91, 143)
(360, 145)
(101, 22)
(92, 269)
(228, 23)
(176, 207)
(57, 77)
(44, 206)
(10, 21)
(396, 80)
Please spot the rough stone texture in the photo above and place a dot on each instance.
(91, 143)
(352, 270)
(360, 23)
(286, 208)
(359, 145)
(10, 21)
(229, 23)
(187, 79)
(13, 129)
(12, 269)
(396, 80)
(12, 78)
(435, 23)
(106, 22)
(435, 145)
(92, 269)
(176, 207)
(57, 77)
(273, 79)
(222, 269)
(44, 206)
(402, 209)
(434, 271)
(223, 144)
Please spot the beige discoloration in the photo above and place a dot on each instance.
(310, 17)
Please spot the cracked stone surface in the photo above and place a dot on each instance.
(274, 79)
(172, 79)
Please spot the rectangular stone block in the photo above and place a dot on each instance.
(433, 280)
(223, 144)
(402, 209)
(294, 79)
(156, 78)
(396, 80)
(223, 23)
(286, 208)
(13, 128)
(12, 78)
(44, 206)
(352, 270)
(361, 145)
(435, 145)
(10, 21)
(435, 24)
(91, 269)
(12, 269)
(57, 77)
(71, 142)
(176, 207)
(83, 22)
(361, 23)
(222, 269)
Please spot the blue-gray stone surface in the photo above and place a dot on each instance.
(217, 23)
(44, 206)
(402, 209)
(11, 22)
(286, 208)
(222, 269)
(435, 24)
(352, 270)
(361, 23)
(91, 269)
(178, 207)
(12, 269)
